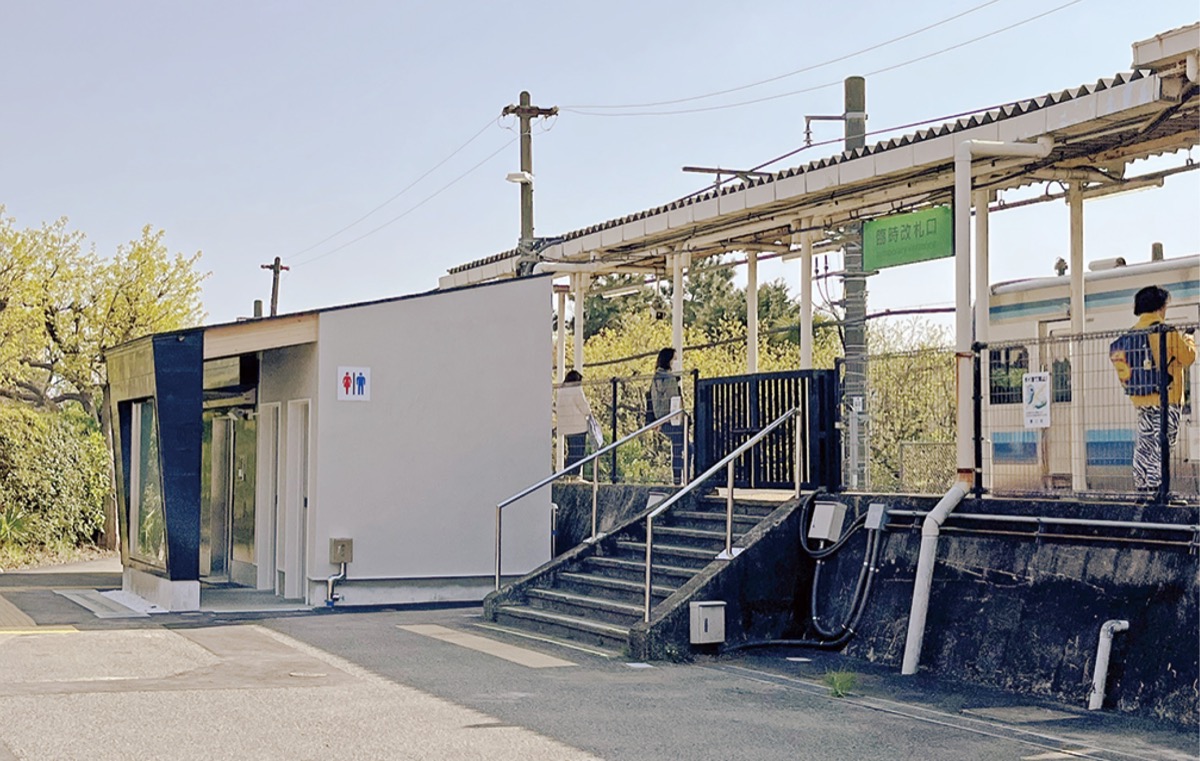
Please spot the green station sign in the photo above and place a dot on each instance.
(917, 236)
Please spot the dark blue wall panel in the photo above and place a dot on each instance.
(179, 380)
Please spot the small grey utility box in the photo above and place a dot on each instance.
(341, 550)
(708, 622)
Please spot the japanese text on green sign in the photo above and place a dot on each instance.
(906, 238)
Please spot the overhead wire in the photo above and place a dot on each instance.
(802, 70)
(408, 211)
(814, 88)
(402, 191)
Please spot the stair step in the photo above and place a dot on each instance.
(690, 537)
(584, 606)
(573, 628)
(744, 506)
(621, 590)
(686, 557)
(635, 570)
(717, 517)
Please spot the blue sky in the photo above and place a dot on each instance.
(249, 130)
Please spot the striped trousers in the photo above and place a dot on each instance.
(1147, 453)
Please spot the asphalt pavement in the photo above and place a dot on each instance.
(444, 684)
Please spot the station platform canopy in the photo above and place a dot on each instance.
(1097, 131)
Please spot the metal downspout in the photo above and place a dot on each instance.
(1103, 651)
(930, 530)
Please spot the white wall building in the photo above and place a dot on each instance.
(242, 449)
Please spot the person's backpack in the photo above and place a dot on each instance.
(1134, 362)
(650, 417)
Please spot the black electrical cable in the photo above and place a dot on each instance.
(858, 600)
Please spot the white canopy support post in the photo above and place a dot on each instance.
(677, 305)
(561, 355)
(806, 290)
(1078, 325)
(751, 312)
(982, 269)
(983, 290)
(967, 150)
(581, 280)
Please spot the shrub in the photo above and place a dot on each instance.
(53, 474)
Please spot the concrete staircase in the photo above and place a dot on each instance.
(594, 594)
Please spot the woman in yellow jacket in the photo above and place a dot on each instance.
(1150, 307)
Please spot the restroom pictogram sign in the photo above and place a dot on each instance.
(354, 384)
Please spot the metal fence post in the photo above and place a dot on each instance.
(978, 415)
(1164, 417)
(612, 471)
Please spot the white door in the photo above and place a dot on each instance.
(267, 513)
(295, 566)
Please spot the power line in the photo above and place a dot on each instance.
(814, 88)
(404, 190)
(811, 67)
(410, 210)
(838, 141)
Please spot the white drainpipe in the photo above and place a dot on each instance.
(925, 561)
(931, 528)
(1103, 651)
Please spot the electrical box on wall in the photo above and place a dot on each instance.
(708, 622)
(827, 519)
(341, 551)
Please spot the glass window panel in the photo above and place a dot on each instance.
(146, 500)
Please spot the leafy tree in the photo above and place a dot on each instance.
(62, 307)
(54, 476)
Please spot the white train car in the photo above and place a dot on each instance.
(1029, 331)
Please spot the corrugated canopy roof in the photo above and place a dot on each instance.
(1097, 128)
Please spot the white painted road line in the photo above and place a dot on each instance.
(518, 655)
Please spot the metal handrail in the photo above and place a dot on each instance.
(727, 463)
(578, 466)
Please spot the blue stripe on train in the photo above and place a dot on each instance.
(1106, 447)
(1186, 289)
(1109, 446)
(1014, 446)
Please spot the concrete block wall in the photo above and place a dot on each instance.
(1024, 614)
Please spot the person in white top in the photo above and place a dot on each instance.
(573, 414)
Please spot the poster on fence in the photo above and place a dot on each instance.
(1035, 394)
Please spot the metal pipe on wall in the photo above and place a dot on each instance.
(919, 609)
(1103, 652)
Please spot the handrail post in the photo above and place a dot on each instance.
(595, 489)
(499, 513)
(649, 551)
(800, 454)
(729, 509)
(686, 474)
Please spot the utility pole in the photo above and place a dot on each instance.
(526, 114)
(275, 268)
(854, 291)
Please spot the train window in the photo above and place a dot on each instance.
(1007, 367)
(1060, 379)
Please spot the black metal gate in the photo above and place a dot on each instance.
(729, 411)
